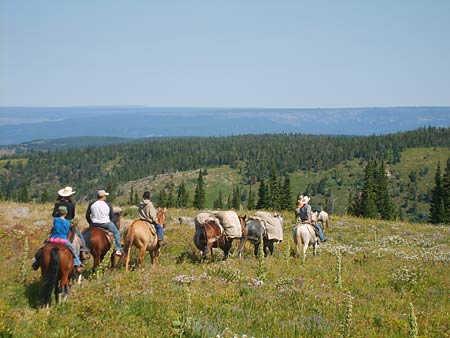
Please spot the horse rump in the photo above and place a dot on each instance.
(50, 278)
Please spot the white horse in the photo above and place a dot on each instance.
(321, 216)
(304, 234)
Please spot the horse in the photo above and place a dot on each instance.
(142, 235)
(77, 244)
(56, 262)
(210, 234)
(321, 216)
(255, 229)
(99, 242)
(304, 234)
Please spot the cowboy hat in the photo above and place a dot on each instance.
(66, 192)
(305, 199)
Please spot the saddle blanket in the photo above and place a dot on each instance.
(230, 223)
(58, 240)
(273, 224)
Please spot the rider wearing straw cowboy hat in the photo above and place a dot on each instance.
(65, 199)
(305, 216)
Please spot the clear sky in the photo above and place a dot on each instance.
(229, 53)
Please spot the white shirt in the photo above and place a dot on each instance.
(100, 212)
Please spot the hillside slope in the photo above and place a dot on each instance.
(342, 291)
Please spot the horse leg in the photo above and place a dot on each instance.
(256, 249)
(305, 247)
(241, 246)
(270, 246)
(226, 248)
(141, 256)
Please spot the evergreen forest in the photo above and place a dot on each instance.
(263, 162)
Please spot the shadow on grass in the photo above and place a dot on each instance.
(190, 255)
(32, 293)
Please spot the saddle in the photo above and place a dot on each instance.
(316, 232)
(109, 235)
(151, 226)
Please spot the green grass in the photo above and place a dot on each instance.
(385, 267)
(338, 181)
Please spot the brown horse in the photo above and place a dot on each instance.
(99, 242)
(142, 235)
(56, 262)
(209, 235)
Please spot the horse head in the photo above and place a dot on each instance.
(161, 216)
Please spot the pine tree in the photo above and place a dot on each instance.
(251, 200)
(384, 202)
(446, 192)
(274, 191)
(218, 202)
(263, 196)
(369, 202)
(437, 210)
(44, 196)
(182, 196)
(286, 198)
(236, 199)
(199, 197)
(170, 200)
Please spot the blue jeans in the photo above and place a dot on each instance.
(76, 259)
(83, 242)
(159, 231)
(319, 230)
(110, 226)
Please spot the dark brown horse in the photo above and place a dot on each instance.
(209, 235)
(99, 242)
(56, 262)
(142, 235)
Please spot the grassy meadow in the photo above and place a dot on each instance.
(371, 279)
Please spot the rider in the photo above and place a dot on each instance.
(58, 234)
(147, 212)
(304, 215)
(99, 214)
(64, 199)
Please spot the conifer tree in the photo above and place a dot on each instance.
(437, 210)
(182, 196)
(286, 198)
(274, 190)
(162, 200)
(369, 202)
(251, 200)
(263, 196)
(384, 202)
(446, 192)
(199, 197)
(170, 200)
(218, 202)
(236, 199)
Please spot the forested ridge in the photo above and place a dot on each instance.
(30, 175)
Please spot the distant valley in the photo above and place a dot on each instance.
(26, 124)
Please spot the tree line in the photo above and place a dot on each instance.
(259, 158)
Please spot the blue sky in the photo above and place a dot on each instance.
(225, 53)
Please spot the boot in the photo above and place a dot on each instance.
(79, 268)
(162, 242)
(35, 264)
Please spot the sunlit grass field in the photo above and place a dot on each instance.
(371, 279)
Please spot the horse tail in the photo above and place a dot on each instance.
(129, 243)
(51, 277)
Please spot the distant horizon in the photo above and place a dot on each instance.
(217, 107)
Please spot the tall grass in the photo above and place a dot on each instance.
(409, 263)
